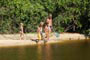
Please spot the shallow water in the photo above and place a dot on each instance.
(69, 50)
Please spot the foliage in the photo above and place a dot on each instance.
(68, 15)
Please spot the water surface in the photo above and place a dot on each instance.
(70, 50)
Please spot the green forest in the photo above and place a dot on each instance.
(68, 15)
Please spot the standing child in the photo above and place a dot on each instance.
(21, 32)
(46, 29)
(40, 31)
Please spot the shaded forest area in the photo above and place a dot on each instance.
(68, 15)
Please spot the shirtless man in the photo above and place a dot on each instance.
(49, 22)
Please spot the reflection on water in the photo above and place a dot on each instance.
(44, 52)
(70, 50)
(47, 52)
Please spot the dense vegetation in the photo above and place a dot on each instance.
(68, 15)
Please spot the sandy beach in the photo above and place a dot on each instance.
(9, 40)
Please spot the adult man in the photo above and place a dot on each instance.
(49, 22)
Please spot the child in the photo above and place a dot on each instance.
(40, 31)
(46, 29)
(21, 32)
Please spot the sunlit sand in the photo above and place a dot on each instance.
(7, 40)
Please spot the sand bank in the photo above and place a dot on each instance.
(7, 40)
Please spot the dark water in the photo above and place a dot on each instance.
(70, 50)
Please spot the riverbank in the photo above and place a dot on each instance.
(9, 40)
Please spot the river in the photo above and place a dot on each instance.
(69, 50)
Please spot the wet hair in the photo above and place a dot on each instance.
(45, 24)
